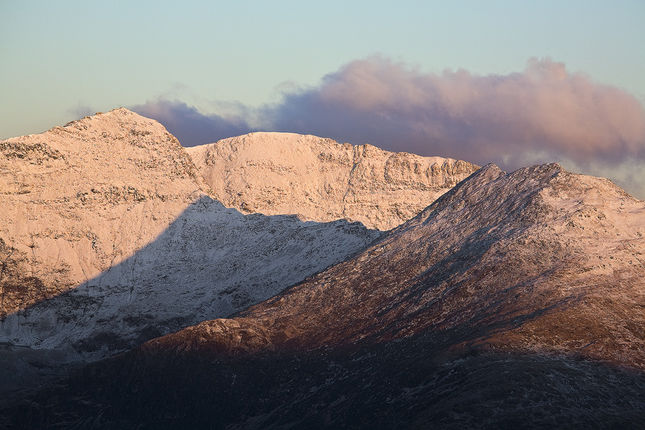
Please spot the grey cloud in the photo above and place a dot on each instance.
(189, 125)
(501, 118)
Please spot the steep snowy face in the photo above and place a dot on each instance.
(322, 180)
(208, 263)
(108, 238)
(539, 260)
(79, 199)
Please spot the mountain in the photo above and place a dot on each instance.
(322, 180)
(81, 198)
(539, 260)
(514, 300)
(109, 237)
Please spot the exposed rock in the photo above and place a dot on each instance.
(322, 180)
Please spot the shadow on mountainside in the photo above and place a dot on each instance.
(209, 262)
(445, 374)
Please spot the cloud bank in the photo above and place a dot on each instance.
(544, 113)
(543, 110)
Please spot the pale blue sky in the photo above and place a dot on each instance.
(57, 56)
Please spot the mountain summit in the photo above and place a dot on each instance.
(80, 198)
(322, 180)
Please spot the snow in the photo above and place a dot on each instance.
(113, 238)
(323, 180)
(208, 263)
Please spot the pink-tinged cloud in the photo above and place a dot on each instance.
(544, 111)
(542, 114)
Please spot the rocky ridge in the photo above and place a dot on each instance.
(320, 179)
(536, 261)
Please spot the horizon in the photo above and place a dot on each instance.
(504, 83)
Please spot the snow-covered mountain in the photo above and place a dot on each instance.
(536, 261)
(108, 237)
(514, 301)
(79, 199)
(322, 180)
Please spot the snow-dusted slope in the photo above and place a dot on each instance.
(320, 179)
(108, 238)
(538, 260)
(209, 262)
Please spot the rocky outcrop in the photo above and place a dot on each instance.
(320, 179)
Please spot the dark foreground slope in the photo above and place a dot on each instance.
(514, 300)
(407, 384)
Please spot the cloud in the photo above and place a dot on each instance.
(81, 110)
(189, 125)
(544, 111)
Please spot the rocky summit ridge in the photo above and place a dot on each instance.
(323, 180)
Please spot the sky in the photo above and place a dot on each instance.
(509, 82)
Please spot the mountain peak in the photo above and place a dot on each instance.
(119, 123)
(320, 179)
(76, 179)
(528, 194)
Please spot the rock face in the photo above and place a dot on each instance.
(536, 261)
(320, 179)
(108, 238)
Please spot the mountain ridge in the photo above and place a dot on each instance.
(109, 236)
(321, 179)
(96, 210)
(477, 257)
(513, 299)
